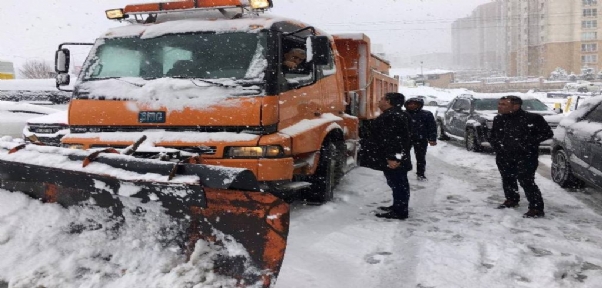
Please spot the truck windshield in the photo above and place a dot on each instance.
(195, 55)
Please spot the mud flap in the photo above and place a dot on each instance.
(223, 207)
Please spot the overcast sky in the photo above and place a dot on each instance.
(34, 29)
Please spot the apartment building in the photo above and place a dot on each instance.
(479, 40)
(530, 37)
(546, 34)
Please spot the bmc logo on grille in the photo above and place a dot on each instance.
(151, 117)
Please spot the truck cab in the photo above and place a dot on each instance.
(201, 80)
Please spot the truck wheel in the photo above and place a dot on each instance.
(324, 180)
(432, 103)
(471, 141)
(441, 132)
(561, 171)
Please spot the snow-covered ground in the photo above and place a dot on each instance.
(454, 238)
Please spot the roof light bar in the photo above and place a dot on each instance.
(195, 4)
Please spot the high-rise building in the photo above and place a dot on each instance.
(547, 34)
(478, 41)
(529, 37)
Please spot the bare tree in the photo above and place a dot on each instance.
(37, 69)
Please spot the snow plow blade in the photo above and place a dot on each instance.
(217, 205)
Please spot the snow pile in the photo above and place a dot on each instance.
(88, 247)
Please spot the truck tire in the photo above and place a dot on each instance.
(324, 180)
(471, 141)
(561, 171)
(441, 132)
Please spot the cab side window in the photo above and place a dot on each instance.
(295, 70)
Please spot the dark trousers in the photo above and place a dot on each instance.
(397, 179)
(420, 146)
(520, 168)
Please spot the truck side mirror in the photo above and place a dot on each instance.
(320, 49)
(62, 58)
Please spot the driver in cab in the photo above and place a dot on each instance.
(292, 59)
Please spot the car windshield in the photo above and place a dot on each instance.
(528, 105)
(485, 104)
(194, 55)
(534, 105)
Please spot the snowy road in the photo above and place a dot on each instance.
(455, 237)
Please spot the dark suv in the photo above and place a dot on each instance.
(577, 147)
(470, 118)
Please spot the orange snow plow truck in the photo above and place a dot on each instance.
(249, 110)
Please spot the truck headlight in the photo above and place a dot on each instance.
(73, 146)
(271, 151)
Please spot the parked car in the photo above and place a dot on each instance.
(470, 117)
(14, 116)
(430, 100)
(48, 129)
(577, 146)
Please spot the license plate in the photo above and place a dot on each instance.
(151, 117)
(44, 130)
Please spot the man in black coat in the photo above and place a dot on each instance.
(387, 148)
(515, 136)
(424, 133)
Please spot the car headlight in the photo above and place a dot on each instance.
(73, 146)
(271, 151)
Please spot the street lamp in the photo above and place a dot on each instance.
(421, 73)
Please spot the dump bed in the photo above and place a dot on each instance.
(364, 73)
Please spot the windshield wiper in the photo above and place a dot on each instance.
(115, 78)
(212, 82)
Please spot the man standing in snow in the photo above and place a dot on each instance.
(515, 136)
(424, 133)
(387, 149)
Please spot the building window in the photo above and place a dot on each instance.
(586, 36)
(589, 24)
(590, 2)
(592, 47)
(589, 59)
(590, 12)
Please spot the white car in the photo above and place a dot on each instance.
(431, 100)
(14, 116)
(49, 129)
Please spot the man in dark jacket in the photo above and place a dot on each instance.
(424, 133)
(515, 136)
(387, 149)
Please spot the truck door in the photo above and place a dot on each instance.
(331, 88)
